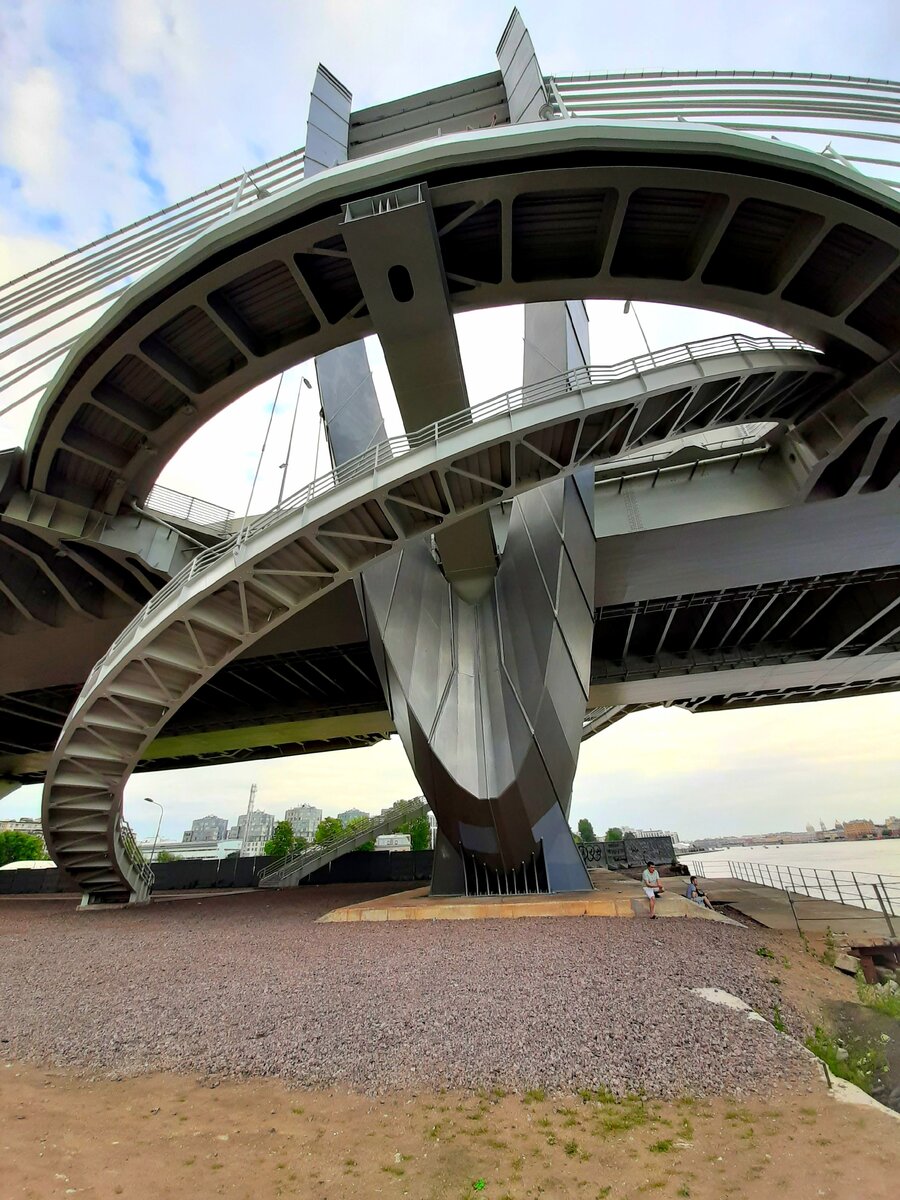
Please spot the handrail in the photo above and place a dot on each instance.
(310, 855)
(389, 450)
(861, 889)
(124, 836)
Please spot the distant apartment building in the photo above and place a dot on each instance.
(207, 829)
(29, 825)
(351, 814)
(855, 830)
(304, 820)
(258, 832)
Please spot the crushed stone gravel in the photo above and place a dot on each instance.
(251, 985)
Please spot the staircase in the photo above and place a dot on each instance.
(290, 870)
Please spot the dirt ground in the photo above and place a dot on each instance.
(166, 1137)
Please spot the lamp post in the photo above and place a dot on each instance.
(147, 800)
(284, 466)
(629, 308)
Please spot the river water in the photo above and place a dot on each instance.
(879, 858)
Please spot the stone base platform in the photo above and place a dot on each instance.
(613, 896)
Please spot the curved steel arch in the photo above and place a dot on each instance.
(233, 594)
(562, 210)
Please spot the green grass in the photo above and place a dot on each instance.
(764, 952)
(862, 1064)
(534, 1096)
(778, 1019)
(661, 1147)
(877, 999)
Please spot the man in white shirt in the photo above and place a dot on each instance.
(652, 886)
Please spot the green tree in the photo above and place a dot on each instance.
(281, 842)
(356, 824)
(586, 830)
(329, 830)
(419, 832)
(20, 847)
(614, 834)
(165, 856)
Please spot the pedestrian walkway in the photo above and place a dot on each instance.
(776, 908)
(613, 895)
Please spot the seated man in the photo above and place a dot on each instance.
(694, 893)
(652, 886)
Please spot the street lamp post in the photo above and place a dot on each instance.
(284, 466)
(147, 800)
(629, 308)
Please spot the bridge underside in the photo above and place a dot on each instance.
(710, 527)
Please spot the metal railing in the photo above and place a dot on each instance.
(858, 889)
(393, 448)
(814, 111)
(125, 837)
(194, 511)
(310, 858)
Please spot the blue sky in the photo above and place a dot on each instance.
(110, 109)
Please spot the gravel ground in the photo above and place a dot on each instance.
(249, 985)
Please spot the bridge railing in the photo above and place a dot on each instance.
(860, 889)
(182, 507)
(311, 857)
(393, 448)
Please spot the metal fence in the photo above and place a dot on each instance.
(858, 889)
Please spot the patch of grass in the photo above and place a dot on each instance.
(604, 1192)
(534, 1096)
(349, 1162)
(571, 1148)
(189, 1162)
(778, 1019)
(738, 1114)
(876, 997)
(764, 952)
(600, 1096)
(298, 1112)
(661, 1147)
(857, 1062)
(391, 1170)
(684, 1190)
(829, 954)
(625, 1115)
(686, 1130)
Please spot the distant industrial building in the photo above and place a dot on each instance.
(350, 815)
(207, 829)
(304, 820)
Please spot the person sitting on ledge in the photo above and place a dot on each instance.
(652, 886)
(698, 897)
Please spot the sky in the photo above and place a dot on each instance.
(112, 109)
